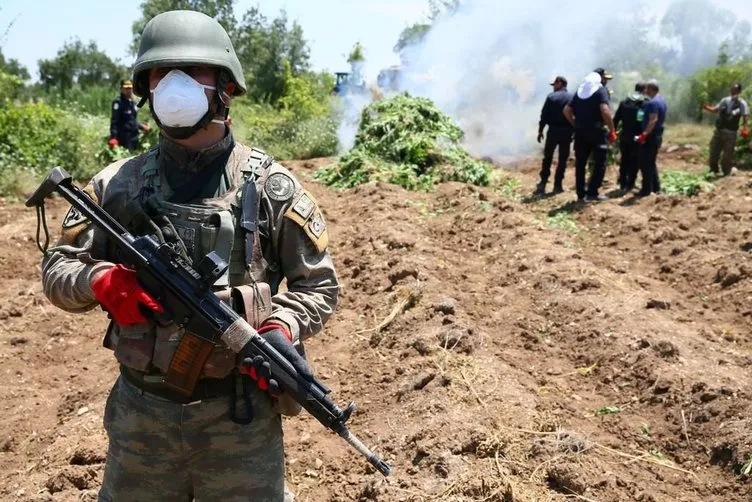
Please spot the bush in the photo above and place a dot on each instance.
(35, 137)
(406, 141)
(283, 135)
(684, 183)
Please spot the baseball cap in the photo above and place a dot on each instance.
(603, 73)
(559, 79)
(126, 83)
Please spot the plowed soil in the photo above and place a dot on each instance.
(498, 348)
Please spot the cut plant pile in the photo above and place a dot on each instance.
(406, 141)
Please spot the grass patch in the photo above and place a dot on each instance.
(608, 410)
(686, 184)
(688, 134)
(564, 221)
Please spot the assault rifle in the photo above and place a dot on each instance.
(186, 295)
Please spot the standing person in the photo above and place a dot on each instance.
(731, 110)
(201, 192)
(124, 126)
(590, 115)
(630, 115)
(651, 138)
(559, 135)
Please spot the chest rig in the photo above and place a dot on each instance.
(226, 224)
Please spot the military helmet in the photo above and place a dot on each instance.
(183, 38)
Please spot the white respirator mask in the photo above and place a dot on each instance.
(179, 101)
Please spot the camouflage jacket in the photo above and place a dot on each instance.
(294, 243)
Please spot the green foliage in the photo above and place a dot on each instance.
(608, 410)
(406, 141)
(10, 86)
(564, 221)
(711, 84)
(684, 183)
(13, 67)
(81, 65)
(356, 54)
(94, 100)
(35, 137)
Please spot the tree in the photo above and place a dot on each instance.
(356, 54)
(415, 33)
(79, 64)
(13, 67)
(221, 10)
(264, 47)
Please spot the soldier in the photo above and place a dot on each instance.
(590, 115)
(200, 191)
(559, 135)
(651, 138)
(123, 124)
(630, 115)
(731, 110)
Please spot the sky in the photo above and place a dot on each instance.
(331, 27)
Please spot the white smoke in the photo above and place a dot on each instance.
(489, 64)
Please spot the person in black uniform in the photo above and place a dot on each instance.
(630, 115)
(590, 115)
(123, 124)
(559, 135)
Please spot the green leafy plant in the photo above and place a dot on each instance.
(608, 410)
(406, 141)
(564, 221)
(685, 183)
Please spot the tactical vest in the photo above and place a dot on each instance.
(729, 115)
(202, 228)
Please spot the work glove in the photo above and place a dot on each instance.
(120, 293)
(641, 139)
(258, 368)
(113, 142)
(745, 132)
(612, 136)
(540, 137)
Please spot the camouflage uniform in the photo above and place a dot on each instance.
(165, 450)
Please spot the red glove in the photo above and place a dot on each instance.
(641, 139)
(113, 142)
(119, 291)
(745, 132)
(612, 136)
(259, 369)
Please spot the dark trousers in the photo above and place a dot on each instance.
(629, 163)
(651, 182)
(128, 142)
(584, 146)
(561, 139)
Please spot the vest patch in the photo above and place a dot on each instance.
(279, 187)
(306, 214)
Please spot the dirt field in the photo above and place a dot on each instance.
(540, 352)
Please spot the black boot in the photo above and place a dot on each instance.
(540, 189)
(558, 188)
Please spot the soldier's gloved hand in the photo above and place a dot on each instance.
(745, 132)
(119, 291)
(113, 142)
(641, 139)
(259, 368)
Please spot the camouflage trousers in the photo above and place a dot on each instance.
(163, 451)
(722, 148)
